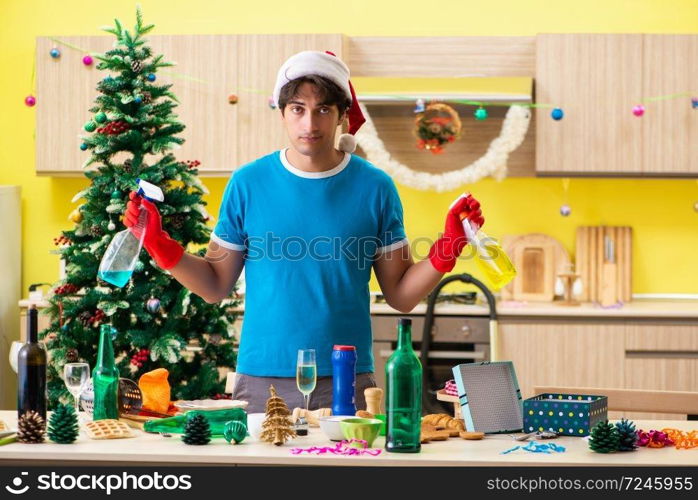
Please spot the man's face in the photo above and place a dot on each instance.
(311, 124)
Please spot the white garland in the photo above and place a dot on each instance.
(493, 162)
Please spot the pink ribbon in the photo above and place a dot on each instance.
(342, 448)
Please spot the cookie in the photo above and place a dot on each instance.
(471, 435)
(108, 429)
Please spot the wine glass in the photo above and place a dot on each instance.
(306, 373)
(76, 376)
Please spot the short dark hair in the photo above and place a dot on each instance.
(329, 92)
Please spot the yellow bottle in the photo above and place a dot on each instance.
(489, 256)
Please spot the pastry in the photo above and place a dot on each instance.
(472, 435)
(108, 429)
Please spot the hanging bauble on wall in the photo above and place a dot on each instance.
(480, 114)
(557, 114)
(437, 126)
(694, 102)
(87, 60)
(232, 99)
(565, 210)
(30, 101)
(55, 53)
(639, 110)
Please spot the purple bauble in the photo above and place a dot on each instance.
(30, 100)
(565, 210)
(639, 110)
(87, 60)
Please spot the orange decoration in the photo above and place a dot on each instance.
(155, 390)
(682, 439)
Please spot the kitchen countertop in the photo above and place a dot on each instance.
(639, 308)
(154, 449)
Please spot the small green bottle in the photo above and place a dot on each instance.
(403, 387)
(105, 378)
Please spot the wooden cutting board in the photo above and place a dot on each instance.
(537, 258)
(605, 279)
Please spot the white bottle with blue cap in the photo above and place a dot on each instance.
(121, 256)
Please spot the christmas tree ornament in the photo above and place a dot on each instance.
(480, 114)
(90, 126)
(234, 431)
(87, 60)
(136, 66)
(101, 117)
(63, 425)
(83, 147)
(151, 77)
(71, 355)
(604, 438)
(627, 435)
(565, 209)
(653, 439)
(75, 216)
(30, 101)
(147, 97)
(557, 114)
(437, 126)
(277, 427)
(116, 194)
(31, 428)
(197, 431)
(55, 53)
(111, 226)
(138, 99)
(694, 102)
(95, 230)
(232, 99)
(639, 110)
(153, 305)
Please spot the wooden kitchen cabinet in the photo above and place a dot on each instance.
(597, 79)
(560, 352)
(208, 69)
(604, 353)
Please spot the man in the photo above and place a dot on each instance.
(308, 223)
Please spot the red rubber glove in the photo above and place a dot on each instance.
(165, 251)
(447, 249)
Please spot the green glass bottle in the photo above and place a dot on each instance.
(105, 378)
(403, 388)
(216, 421)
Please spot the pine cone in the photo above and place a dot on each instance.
(31, 428)
(96, 231)
(147, 97)
(178, 221)
(72, 355)
(136, 66)
(627, 435)
(604, 438)
(197, 431)
(128, 165)
(63, 425)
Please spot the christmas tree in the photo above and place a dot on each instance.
(277, 426)
(131, 133)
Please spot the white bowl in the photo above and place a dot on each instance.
(330, 426)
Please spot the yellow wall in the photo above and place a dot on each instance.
(660, 211)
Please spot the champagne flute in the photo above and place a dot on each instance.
(306, 373)
(76, 376)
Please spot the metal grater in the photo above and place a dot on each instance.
(490, 397)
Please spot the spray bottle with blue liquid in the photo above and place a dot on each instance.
(121, 256)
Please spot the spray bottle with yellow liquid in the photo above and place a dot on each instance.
(489, 255)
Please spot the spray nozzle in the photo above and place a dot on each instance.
(149, 191)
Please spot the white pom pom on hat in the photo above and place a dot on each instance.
(326, 64)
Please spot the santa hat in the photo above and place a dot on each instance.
(311, 62)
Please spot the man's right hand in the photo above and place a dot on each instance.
(164, 250)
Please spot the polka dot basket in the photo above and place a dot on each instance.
(566, 414)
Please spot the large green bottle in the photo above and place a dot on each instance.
(216, 420)
(105, 378)
(403, 388)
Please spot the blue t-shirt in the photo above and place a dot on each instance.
(310, 240)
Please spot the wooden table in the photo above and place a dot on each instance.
(153, 449)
